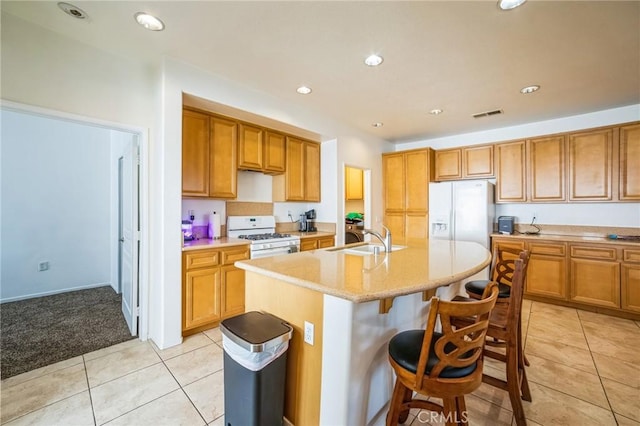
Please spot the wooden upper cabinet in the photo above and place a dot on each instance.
(477, 162)
(510, 172)
(547, 169)
(394, 184)
(629, 163)
(195, 154)
(311, 171)
(223, 151)
(250, 148)
(448, 164)
(274, 153)
(590, 165)
(417, 175)
(301, 181)
(354, 183)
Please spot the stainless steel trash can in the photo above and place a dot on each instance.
(255, 358)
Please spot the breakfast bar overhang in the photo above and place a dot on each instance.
(355, 301)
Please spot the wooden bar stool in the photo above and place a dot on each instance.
(505, 331)
(444, 365)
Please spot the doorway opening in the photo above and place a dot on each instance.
(356, 202)
(70, 222)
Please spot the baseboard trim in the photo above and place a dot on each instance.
(51, 293)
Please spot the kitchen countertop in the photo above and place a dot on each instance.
(365, 278)
(206, 243)
(569, 239)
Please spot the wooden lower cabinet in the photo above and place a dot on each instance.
(600, 277)
(630, 280)
(212, 288)
(313, 243)
(547, 272)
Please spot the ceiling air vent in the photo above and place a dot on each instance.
(487, 113)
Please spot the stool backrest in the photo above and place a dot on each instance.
(503, 264)
(459, 347)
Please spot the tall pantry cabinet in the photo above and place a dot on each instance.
(406, 177)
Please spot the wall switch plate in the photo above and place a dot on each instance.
(308, 332)
(43, 266)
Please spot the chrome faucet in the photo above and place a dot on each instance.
(386, 240)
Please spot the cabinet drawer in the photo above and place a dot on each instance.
(233, 254)
(593, 252)
(512, 244)
(631, 255)
(201, 259)
(548, 248)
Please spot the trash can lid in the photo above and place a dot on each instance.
(256, 331)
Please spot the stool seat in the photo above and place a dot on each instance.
(404, 349)
(477, 287)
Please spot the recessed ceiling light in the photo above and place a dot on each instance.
(436, 111)
(72, 10)
(373, 60)
(378, 124)
(150, 22)
(529, 89)
(509, 4)
(304, 90)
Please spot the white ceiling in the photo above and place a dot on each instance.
(462, 57)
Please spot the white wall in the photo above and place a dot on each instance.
(55, 205)
(581, 214)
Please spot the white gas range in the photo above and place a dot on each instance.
(261, 232)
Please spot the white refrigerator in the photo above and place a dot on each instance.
(462, 211)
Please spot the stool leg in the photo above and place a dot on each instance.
(461, 411)
(408, 395)
(395, 403)
(449, 411)
(513, 385)
(522, 362)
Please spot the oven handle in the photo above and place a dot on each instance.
(274, 252)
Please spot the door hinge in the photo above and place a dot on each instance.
(136, 311)
(138, 235)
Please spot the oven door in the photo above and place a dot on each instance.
(273, 252)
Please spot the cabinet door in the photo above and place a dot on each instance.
(195, 154)
(308, 244)
(595, 282)
(510, 172)
(311, 171)
(547, 270)
(417, 181)
(630, 163)
(477, 162)
(201, 297)
(274, 153)
(232, 291)
(631, 287)
(393, 185)
(448, 164)
(325, 242)
(590, 161)
(354, 179)
(250, 147)
(294, 177)
(416, 228)
(395, 221)
(547, 169)
(223, 158)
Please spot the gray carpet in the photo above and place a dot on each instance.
(45, 330)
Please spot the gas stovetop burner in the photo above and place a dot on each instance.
(270, 236)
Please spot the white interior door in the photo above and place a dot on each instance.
(129, 241)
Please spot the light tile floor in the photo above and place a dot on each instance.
(584, 371)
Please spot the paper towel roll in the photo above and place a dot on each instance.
(214, 226)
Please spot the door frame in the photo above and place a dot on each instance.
(141, 133)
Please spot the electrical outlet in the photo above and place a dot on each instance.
(308, 332)
(43, 266)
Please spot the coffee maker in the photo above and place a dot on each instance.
(302, 223)
(311, 221)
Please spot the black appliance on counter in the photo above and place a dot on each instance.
(505, 224)
(307, 222)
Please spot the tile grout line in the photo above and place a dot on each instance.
(86, 376)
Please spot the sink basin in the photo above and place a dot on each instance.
(370, 249)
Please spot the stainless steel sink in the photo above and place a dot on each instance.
(368, 249)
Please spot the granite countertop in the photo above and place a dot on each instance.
(359, 278)
(569, 239)
(206, 243)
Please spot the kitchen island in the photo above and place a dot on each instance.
(356, 303)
